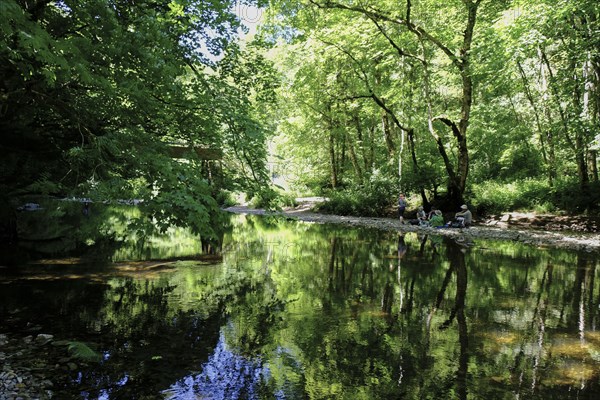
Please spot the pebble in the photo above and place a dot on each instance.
(17, 382)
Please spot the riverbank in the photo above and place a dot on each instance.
(495, 229)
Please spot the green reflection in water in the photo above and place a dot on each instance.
(298, 310)
(106, 233)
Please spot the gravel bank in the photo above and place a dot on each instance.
(589, 242)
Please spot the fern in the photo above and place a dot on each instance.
(83, 352)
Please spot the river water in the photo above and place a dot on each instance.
(293, 310)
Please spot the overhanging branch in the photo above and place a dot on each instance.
(376, 15)
(447, 121)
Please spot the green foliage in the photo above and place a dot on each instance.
(80, 350)
(535, 194)
(93, 94)
(286, 200)
(534, 113)
(375, 198)
(568, 195)
(493, 197)
(83, 352)
(270, 198)
(225, 199)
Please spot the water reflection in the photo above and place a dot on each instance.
(111, 233)
(295, 310)
(226, 375)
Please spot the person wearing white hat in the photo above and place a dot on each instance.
(464, 216)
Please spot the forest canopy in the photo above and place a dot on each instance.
(95, 95)
(494, 103)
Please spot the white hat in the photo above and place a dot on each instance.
(464, 207)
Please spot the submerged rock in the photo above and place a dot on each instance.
(43, 338)
(17, 379)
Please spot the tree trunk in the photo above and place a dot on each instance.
(334, 176)
(543, 143)
(354, 159)
(386, 126)
(593, 165)
(457, 181)
(364, 145)
(467, 96)
(579, 110)
(579, 145)
(550, 119)
(411, 140)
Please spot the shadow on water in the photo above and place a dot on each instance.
(293, 310)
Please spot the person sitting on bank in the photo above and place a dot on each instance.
(431, 213)
(437, 220)
(464, 216)
(421, 217)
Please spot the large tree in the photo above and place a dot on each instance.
(390, 20)
(403, 55)
(502, 91)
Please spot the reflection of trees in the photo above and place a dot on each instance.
(457, 262)
(254, 315)
(363, 322)
(440, 297)
(53, 304)
(538, 325)
(536, 337)
(143, 335)
(349, 351)
(406, 287)
(344, 352)
(351, 315)
(109, 233)
(582, 293)
(347, 266)
(130, 322)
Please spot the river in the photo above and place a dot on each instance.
(296, 310)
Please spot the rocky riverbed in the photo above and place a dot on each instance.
(25, 368)
(517, 227)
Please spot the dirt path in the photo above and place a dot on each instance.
(589, 242)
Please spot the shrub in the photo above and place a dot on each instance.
(537, 195)
(494, 197)
(569, 196)
(375, 198)
(271, 199)
(225, 199)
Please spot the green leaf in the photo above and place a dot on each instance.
(82, 351)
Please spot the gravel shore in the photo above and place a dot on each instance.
(589, 242)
